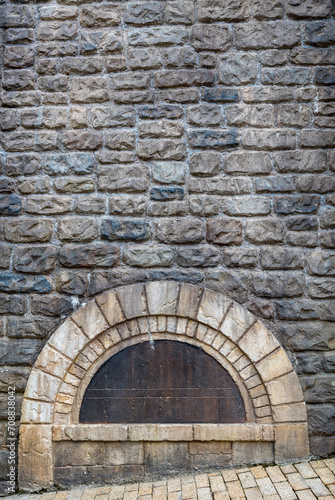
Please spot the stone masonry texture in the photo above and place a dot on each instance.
(187, 140)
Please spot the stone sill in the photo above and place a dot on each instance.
(164, 432)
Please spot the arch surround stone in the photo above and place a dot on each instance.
(276, 427)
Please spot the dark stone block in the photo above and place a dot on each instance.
(20, 351)
(95, 255)
(220, 94)
(10, 282)
(155, 112)
(286, 205)
(322, 446)
(302, 223)
(10, 204)
(12, 304)
(318, 389)
(320, 32)
(125, 230)
(308, 363)
(167, 193)
(325, 76)
(297, 309)
(213, 139)
(50, 305)
(195, 256)
(303, 336)
(321, 419)
(39, 327)
(36, 260)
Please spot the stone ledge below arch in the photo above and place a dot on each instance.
(185, 312)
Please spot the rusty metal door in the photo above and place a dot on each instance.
(163, 382)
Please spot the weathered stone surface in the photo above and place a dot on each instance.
(297, 309)
(184, 78)
(297, 204)
(267, 9)
(213, 139)
(168, 172)
(281, 258)
(77, 229)
(222, 186)
(89, 140)
(35, 260)
(270, 139)
(48, 205)
(127, 178)
(127, 204)
(214, 10)
(205, 164)
(203, 115)
(95, 255)
(196, 256)
(148, 256)
(181, 12)
(264, 231)
(187, 230)
(309, 8)
(239, 257)
(220, 94)
(204, 205)
(279, 284)
(10, 204)
(238, 69)
(10, 282)
(246, 206)
(320, 32)
(28, 230)
(248, 163)
(109, 41)
(166, 193)
(300, 161)
(210, 37)
(157, 36)
(321, 263)
(224, 231)
(113, 229)
(161, 149)
(254, 35)
(161, 128)
(100, 15)
(144, 13)
(90, 89)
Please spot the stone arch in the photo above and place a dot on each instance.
(159, 310)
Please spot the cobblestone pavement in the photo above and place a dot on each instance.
(302, 481)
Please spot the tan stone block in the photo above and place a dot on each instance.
(35, 457)
(162, 323)
(274, 365)
(191, 328)
(36, 412)
(219, 341)
(51, 361)
(227, 348)
(213, 448)
(69, 339)
(258, 342)
(201, 332)
(124, 453)
(90, 432)
(285, 389)
(295, 412)
(171, 324)
(90, 319)
(234, 355)
(105, 340)
(161, 432)
(83, 453)
(162, 297)
(114, 336)
(228, 432)
(181, 326)
(133, 300)
(42, 386)
(237, 321)
(189, 301)
(110, 307)
(153, 324)
(252, 453)
(291, 441)
(213, 307)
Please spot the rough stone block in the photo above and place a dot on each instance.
(238, 69)
(148, 256)
(186, 230)
(35, 455)
(110, 307)
(291, 441)
(224, 231)
(210, 37)
(162, 297)
(77, 229)
(252, 453)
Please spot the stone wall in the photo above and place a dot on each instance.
(181, 140)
